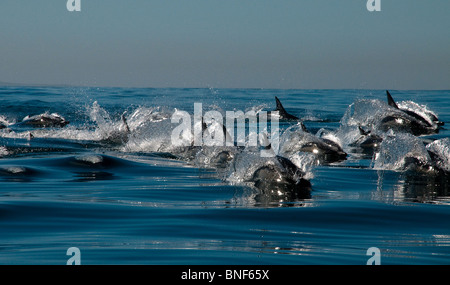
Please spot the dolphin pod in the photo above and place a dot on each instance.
(403, 120)
(281, 174)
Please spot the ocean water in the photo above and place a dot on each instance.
(134, 201)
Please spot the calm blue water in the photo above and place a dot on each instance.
(131, 203)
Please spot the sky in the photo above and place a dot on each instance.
(298, 44)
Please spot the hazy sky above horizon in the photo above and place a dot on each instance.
(303, 44)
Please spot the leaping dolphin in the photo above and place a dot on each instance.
(367, 140)
(326, 150)
(44, 121)
(419, 124)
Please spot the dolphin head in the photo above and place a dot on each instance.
(415, 164)
(325, 149)
(222, 159)
(368, 140)
(281, 179)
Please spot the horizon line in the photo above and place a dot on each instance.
(61, 85)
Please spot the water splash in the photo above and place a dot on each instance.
(396, 152)
(441, 149)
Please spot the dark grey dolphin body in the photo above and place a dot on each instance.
(281, 179)
(401, 123)
(44, 121)
(408, 121)
(223, 158)
(218, 156)
(439, 152)
(435, 119)
(438, 164)
(367, 140)
(325, 149)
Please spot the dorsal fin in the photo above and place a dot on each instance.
(226, 134)
(204, 126)
(391, 101)
(125, 123)
(303, 127)
(282, 111)
(280, 107)
(362, 131)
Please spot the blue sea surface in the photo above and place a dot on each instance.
(130, 203)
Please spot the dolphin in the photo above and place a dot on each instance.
(284, 115)
(223, 158)
(120, 136)
(426, 158)
(367, 140)
(280, 178)
(226, 134)
(404, 123)
(438, 163)
(439, 152)
(44, 121)
(433, 166)
(325, 149)
(418, 124)
(432, 116)
(216, 155)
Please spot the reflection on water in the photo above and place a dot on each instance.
(413, 187)
(426, 188)
(92, 176)
(249, 197)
